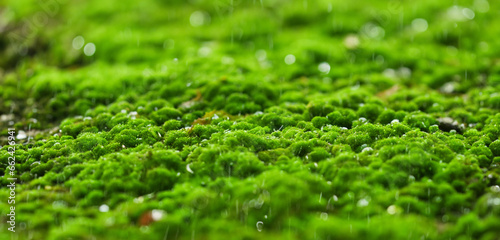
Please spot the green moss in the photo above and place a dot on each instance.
(88, 141)
(160, 179)
(318, 154)
(421, 121)
(342, 118)
(165, 114)
(300, 148)
(370, 111)
(495, 148)
(94, 197)
(198, 112)
(128, 138)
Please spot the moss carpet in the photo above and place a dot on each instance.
(234, 119)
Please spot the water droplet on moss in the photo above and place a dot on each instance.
(199, 18)
(104, 208)
(157, 215)
(189, 169)
(78, 42)
(351, 41)
(259, 226)
(392, 210)
(419, 25)
(324, 67)
(363, 202)
(89, 49)
(261, 55)
(21, 135)
(290, 59)
(366, 149)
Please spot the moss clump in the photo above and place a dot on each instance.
(88, 141)
(164, 114)
(495, 148)
(128, 137)
(159, 179)
(342, 118)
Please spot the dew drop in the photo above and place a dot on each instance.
(363, 202)
(391, 210)
(104, 208)
(290, 59)
(419, 25)
(21, 135)
(351, 41)
(259, 226)
(78, 42)
(324, 67)
(198, 18)
(189, 169)
(89, 49)
(157, 215)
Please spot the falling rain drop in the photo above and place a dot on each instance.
(362, 202)
(189, 169)
(468, 13)
(157, 215)
(290, 59)
(324, 67)
(204, 51)
(21, 135)
(351, 41)
(460, 14)
(227, 60)
(419, 25)
(104, 208)
(259, 226)
(373, 31)
(89, 49)
(197, 19)
(392, 210)
(78, 42)
(481, 6)
(261, 55)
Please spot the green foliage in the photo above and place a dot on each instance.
(128, 137)
(165, 114)
(342, 117)
(160, 179)
(378, 128)
(87, 141)
(495, 148)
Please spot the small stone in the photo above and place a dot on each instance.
(447, 124)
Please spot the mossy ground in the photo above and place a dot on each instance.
(252, 119)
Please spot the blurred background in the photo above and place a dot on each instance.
(53, 53)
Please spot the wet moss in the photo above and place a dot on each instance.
(495, 148)
(363, 135)
(342, 118)
(159, 179)
(165, 114)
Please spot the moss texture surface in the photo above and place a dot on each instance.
(251, 119)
